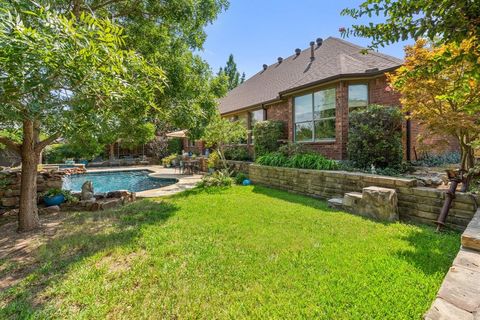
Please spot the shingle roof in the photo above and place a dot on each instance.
(334, 58)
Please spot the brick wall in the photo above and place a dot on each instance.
(282, 111)
(418, 204)
(379, 93)
(10, 187)
(198, 148)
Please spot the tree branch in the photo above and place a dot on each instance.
(106, 3)
(42, 144)
(12, 145)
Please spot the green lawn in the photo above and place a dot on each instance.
(244, 252)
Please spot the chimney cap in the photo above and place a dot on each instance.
(319, 42)
(298, 51)
(280, 59)
(265, 67)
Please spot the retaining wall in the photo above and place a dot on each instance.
(46, 179)
(417, 204)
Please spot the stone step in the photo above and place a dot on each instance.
(352, 199)
(335, 203)
(471, 235)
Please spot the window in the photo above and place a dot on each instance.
(357, 95)
(255, 116)
(315, 116)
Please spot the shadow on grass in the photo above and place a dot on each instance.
(430, 252)
(81, 235)
(318, 203)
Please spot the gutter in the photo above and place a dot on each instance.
(309, 85)
(338, 77)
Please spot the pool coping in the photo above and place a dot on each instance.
(184, 182)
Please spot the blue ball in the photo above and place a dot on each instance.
(247, 182)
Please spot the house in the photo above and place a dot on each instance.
(312, 91)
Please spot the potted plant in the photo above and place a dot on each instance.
(55, 197)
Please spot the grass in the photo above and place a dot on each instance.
(244, 252)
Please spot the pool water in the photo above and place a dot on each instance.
(134, 181)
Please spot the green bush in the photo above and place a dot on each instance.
(432, 160)
(375, 137)
(267, 135)
(300, 161)
(238, 153)
(219, 178)
(240, 177)
(213, 160)
(58, 153)
(175, 146)
(291, 149)
(167, 161)
(274, 159)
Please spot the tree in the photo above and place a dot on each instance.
(242, 79)
(441, 21)
(442, 95)
(221, 133)
(232, 74)
(165, 33)
(57, 73)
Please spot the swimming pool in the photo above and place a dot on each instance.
(134, 180)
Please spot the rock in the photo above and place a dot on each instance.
(118, 194)
(436, 181)
(86, 203)
(10, 213)
(100, 195)
(379, 203)
(420, 183)
(49, 210)
(10, 202)
(87, 191)
(110, 204)
(93, 206)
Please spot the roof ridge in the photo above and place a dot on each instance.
(375, 53)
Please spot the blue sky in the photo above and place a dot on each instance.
(259, 32)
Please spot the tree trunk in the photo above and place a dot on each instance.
(28, 211)
(111, 149)
(467, 156)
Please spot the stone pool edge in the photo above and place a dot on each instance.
(184, 182)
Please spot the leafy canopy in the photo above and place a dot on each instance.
(166, 33)
(68, 74)
(441, 21)
(222, 132)
(440, 92)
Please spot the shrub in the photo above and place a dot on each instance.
(375, 137)
(274, 159)
(240, 177)
(167, 161)
(311, 161)
(219, 178)
(267, 135)
(300, 161)
(175, 146)
(238, 153)
(213, 160)
(291, 149)
(432, 160)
